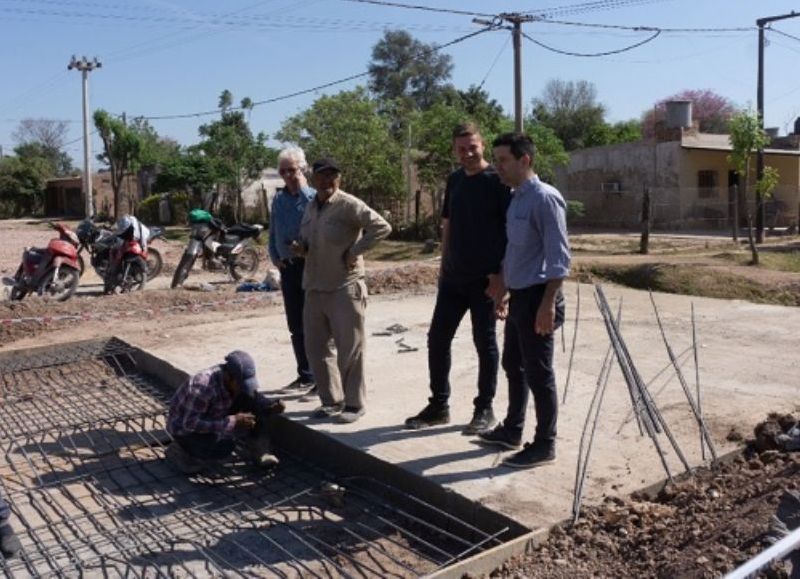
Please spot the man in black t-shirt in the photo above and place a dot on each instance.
(473, 244)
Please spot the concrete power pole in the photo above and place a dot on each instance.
(761, 22)
(516, 21)
(86, 66)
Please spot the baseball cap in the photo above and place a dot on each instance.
(325, 164)
(242, 368)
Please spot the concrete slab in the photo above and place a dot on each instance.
(748, 367)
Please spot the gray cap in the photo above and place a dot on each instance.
(242, 368)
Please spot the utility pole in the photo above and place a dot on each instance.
(761, 22)
(516, 21)
(86, 66)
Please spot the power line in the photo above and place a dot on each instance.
(420, 7)
(645, 28)
(494, 63)
(652, 37)
(588, 7)
(312, 89)
(782, 33)
(220, 20)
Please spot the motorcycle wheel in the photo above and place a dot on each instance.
(17, 293)
(183, 269)
(154, 263)
(133, 275)
(60, 289)
(244, 263)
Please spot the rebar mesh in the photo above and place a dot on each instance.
(84, 472)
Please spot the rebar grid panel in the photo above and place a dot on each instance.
(92, 495)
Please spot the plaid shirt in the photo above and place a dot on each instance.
(202, 404)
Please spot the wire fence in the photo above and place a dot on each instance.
(676, 208)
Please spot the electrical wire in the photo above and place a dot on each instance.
(494, 63)
(312, 89)
(420, 7)
(646, 28)
(589, 7)
(782, 33)
(652, 37)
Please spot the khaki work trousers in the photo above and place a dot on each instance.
(337, 319)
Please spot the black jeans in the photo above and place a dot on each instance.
(293, 301)
(453, 300)
(5, 510)
(528, 363)
(209, 446)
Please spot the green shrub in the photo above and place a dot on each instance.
(179, 207)
(575, 209)
(147, 211)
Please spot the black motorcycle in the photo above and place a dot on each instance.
(98, 242)
(230, 248)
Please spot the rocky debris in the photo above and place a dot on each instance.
(702, 525)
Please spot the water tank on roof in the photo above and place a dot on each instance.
(679, 114)
(797, 126)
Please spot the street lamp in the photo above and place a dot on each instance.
(86, 66)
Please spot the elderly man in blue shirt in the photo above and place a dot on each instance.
(288, 207)
(536, 262)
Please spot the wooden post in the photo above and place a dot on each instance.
(644, 242)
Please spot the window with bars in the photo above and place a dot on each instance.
(707, 183)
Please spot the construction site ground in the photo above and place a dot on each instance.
(747, 361)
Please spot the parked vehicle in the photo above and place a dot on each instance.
(127, 265)
(97, 242)
(52, 272)
(230, 248)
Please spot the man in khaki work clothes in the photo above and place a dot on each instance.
(337, 228)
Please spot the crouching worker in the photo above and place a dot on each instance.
(9, 542)
(217, 408)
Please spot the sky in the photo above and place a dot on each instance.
(173, 57)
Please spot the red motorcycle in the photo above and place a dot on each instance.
(52, 272)
(127, 267)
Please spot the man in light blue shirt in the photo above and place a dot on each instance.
(536, 262)
(288, 207)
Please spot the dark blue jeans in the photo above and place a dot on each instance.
(208, 446)
(453, 300)
(5, 510)
(293, 300)
(528, 363)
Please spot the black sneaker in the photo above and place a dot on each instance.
(499, 436)
(431, 415)
(9, 542)
(482, 420)
(299, 385)
(531, 456)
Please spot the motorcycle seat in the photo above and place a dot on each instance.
(244, 230)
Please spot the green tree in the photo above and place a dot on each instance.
(747, 137)
(349, 127)
(571, 110)
(405, 69)
(22, 184)
(188, 170)
(236, 156)
(122, 146)
(44, 138)
(58, 161)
